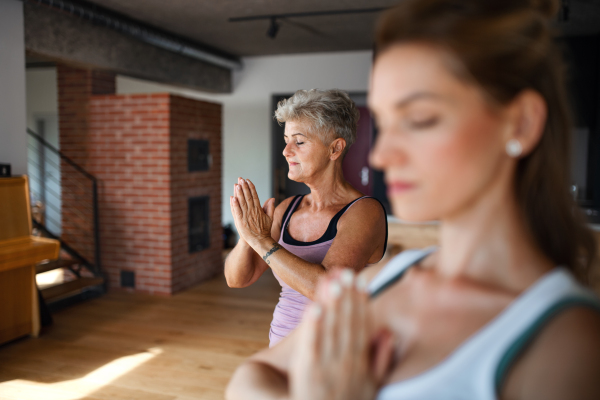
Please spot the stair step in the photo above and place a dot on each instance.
(69, 288)
(55, 264)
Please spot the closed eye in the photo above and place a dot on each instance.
(424, 123)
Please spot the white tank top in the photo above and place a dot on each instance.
(476, 369)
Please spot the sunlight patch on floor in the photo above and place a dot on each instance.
(76, 389)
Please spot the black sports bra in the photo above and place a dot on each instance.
(331, 231)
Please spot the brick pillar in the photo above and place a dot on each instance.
(130, 155)
(139, 151)
(136, 145)
(192, 119)
(76, 87)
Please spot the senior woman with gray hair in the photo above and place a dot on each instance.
(305, 236)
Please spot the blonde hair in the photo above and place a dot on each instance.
(331, 114)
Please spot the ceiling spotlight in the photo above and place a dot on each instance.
(565, 11)
(273, 28)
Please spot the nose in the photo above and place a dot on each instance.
(287, 151)
(386, 152)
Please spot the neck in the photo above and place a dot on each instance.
(489, 242)
(328, 187)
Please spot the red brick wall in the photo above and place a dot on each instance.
(130, 157)
(192, 119)
(136, 145)
(75, 88)
(103, 82)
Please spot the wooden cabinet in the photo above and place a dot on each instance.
(403, 236)
(19, 252)
(406, 235)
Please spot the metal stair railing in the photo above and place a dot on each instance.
(44, 174)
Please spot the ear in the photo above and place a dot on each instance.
(527, 114)
(336, 148)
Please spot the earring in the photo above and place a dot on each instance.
(514, 148)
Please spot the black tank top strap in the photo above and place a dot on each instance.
(293, 204)
(331, 231)
(333, 224)
(386, 225)
(332, 228)
(336, 217)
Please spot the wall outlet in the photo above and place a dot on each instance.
(5, 170)
(128, 279)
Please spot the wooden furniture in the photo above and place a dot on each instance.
(406, 235)
(19, 252)
(403, 236)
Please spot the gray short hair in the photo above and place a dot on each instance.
(328, 111)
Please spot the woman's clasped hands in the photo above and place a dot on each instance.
(252, 221)
(340, 354)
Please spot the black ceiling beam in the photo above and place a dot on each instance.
(308, 14)
(142, 31)
(57, 36)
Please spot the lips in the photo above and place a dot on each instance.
(399, 187)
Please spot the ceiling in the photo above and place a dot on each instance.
(584, 18)
(207, 22)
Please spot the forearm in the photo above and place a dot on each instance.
(255, 380)
(300, 275)
(240, 265)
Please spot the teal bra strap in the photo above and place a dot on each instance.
(526, 337)
(400, 273)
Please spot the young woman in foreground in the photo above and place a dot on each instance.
(473, 131)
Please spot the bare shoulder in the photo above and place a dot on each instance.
(280, 210)
(365, 218)
(281, 207)
(367, 210)
(360, 238)
(562, 362)
(278, 217)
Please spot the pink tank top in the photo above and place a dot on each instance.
(291, 305)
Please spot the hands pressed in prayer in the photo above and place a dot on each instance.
(339, 355)
(253, 221)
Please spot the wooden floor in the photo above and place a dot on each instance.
(140, 347)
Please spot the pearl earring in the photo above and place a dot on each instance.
(514, 148)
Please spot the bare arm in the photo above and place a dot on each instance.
(361, 234)
(312, 362)
(264, 376)
(243, 265)
(257, 381)
(563, 361)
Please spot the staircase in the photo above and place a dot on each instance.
(80, 276)
(79, 260)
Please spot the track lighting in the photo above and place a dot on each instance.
(273, 28)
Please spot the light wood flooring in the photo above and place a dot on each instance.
(125, 346)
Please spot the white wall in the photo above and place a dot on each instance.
(42, 95)
(44, 171)
(247, 111)
(13, 137)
